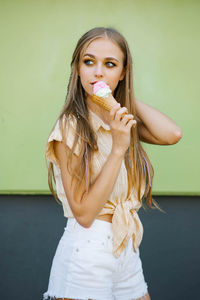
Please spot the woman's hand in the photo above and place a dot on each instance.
(120, 126)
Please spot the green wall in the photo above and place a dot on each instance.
(37, 41)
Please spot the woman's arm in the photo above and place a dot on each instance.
(87, 206)
(154, 127)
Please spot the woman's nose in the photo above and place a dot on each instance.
(98, 70)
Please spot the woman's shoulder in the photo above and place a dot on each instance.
(64, 130)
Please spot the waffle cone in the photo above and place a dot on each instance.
(107, 103)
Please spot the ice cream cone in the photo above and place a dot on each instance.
(106, 103)
(102, 95)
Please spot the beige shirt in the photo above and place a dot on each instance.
(125, 222)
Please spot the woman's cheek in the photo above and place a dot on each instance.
(114, 84)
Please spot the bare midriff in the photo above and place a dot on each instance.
(106, 217)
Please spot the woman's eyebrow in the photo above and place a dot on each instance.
(107, 58)
(87, 54)
(112, 58)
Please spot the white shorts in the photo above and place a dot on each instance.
(85, 268)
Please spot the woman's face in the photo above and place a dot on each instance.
(102, 60)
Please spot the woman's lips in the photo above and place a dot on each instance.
(93, 82)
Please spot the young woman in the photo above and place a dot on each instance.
(102, 175)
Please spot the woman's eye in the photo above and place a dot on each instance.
(110, 64)
(88, 62)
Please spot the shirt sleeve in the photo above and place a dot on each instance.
(56, 135)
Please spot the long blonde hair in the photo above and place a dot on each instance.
(138, 165)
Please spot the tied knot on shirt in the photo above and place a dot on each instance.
(126, 224)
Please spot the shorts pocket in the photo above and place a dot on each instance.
(92, 260)
(90, 245)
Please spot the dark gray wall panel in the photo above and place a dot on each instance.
(31, 227)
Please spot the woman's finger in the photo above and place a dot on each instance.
(120, 112)
(114, 110)
(126, 118)
(131, 123)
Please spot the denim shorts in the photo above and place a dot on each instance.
(84, 266)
